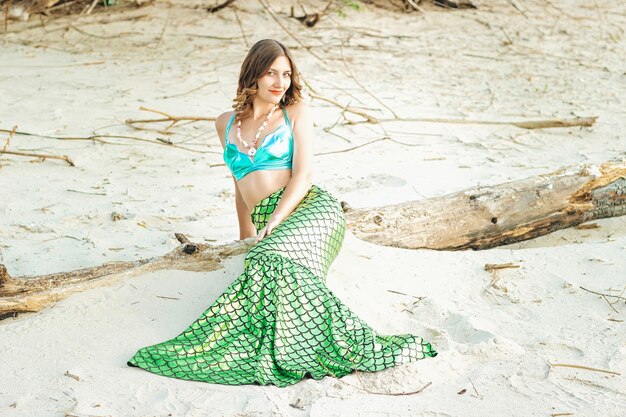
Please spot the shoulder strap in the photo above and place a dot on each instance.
(228, 128)
(287, 119)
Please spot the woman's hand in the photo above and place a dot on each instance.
(267, 230)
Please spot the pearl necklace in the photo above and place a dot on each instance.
(251, 146)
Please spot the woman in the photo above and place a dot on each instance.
(277, 322)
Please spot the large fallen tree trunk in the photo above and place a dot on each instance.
(488, 216)
(30, 294)
(478, 218)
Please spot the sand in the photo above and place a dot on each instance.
(537, 60)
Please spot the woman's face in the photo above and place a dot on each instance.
(274, 83)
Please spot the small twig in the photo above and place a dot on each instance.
(243, 33)
(367, 117)
(84, 192)
(91, 22)
(566, 365)
(7, 6)
(182, 238)
(117, 35)
(76, 377)
(97, 138)
(473, 386)
(58, 6)
(587, 226)
(69, 413)
(361, 85)
(168, 298)
(450, 4)
(168, 118)
(327, 130)
(203, 36)
(610, 304)
(307, 48)
(408, 295)
(8, 141)
(92, 6)
(56, 66)
(346, 92)
(604, 296)
(415, 6)
(516, 7)
(219, 6)
(619, 297)
(487, 291)
(40, 155)
(493, 267)
(158, 41)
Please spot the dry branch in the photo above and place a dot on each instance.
(173, 120)
(25, 9)
(33, 293)
(455, 4)
(99, 139)
(219, 6)
(495, 267)
(369, 118)
(43, 156)
(588, 368)
(522, 124)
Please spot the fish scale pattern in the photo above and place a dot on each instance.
(278, 322)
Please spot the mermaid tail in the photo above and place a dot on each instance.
(278, 322)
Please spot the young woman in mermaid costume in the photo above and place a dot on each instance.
(277, 323)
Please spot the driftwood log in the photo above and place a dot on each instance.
(489, 216)
(477, 218)
(33, 293)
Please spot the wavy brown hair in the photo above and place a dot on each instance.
(254, 66)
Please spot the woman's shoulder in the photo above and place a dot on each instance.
(221, 122)
(297, 108)
(297, 111)
(224, 118)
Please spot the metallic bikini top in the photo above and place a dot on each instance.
(274, 152)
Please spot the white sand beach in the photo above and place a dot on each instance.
(500, 341)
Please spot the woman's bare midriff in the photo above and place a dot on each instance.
(257, 185)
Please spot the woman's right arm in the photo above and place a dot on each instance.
(246, 227)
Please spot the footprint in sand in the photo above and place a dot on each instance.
(452, 326)
(386, 180)
(461, 330)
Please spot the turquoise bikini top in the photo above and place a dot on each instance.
(274, 152)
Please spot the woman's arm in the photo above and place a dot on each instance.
(301, 168)
(246, 227)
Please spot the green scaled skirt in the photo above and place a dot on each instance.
(278, 322)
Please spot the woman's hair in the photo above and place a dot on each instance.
(255, 65)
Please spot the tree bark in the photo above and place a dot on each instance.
(476, 218)
(33, 293)
(489, 216)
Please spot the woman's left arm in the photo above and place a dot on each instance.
(301, 169)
